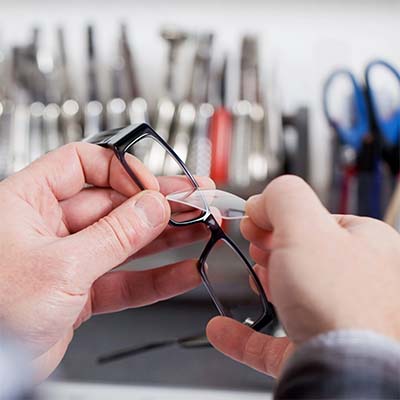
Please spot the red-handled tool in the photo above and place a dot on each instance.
(221, 135)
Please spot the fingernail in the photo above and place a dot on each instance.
(151, 209)
(253, 198)
(253, 201)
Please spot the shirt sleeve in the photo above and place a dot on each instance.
(343, 365)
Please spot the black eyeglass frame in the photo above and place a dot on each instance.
(120, 141)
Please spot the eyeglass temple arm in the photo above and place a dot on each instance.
(190, 342)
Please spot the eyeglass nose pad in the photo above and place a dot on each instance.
(223, 205)
(248, 322)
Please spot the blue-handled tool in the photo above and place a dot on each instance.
(388, 126)
(354, 134)
(361, 172)
(386, 119)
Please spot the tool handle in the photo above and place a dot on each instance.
(354, 135)
(392, 211)
(51, 123)
(36, 139)
(347, 191)
(239, 173)
(221, 140)
(388, 126)
(181, 136)
(199, 155)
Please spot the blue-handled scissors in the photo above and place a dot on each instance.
(355, 134)
(388, 126)
(362, 171)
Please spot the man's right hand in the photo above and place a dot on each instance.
(322, 272)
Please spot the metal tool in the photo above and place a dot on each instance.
(138, 111)
(258, 164)
(116, 108)
(165, 111)
(93, 118)
(239, 174)
(199, 154)
(199, 86)
(174, 38)
(181, 130)
(199, 157)
(190, 342)
(43, 73)
(131, 88)
(51, 124)
(71, 121)
(64, 78)
(6, 121)
(27, 80)
(274, 135)
(93, 110)
(4, 74)
(163, 123)
(93, 90)
(20, 138)
(36, 139)
(249, 71)
(138, 114)
(185, 117)
(260, 153)
(116, 113)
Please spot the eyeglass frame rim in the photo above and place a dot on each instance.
(120, 140)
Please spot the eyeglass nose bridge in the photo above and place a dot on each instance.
(212, 223)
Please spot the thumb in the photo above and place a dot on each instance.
(109, 242)
(290, 206)
(256, 350)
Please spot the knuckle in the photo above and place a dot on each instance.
(284, 183)
(274, 356)
(69, 148)
(157, 287)
(128, 292)
(254, 346)
(122, 235)
(72, 146)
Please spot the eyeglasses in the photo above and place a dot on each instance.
(239, 294)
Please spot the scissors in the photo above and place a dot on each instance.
(387, 118)
(387, 121)
(361, 177)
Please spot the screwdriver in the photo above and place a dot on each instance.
(132, 86)
(93, 110)
(250, 90)
(221, 133)
(65, 82)
(175, 38)
(199, 154)
(93, 93)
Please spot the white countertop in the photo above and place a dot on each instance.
(86, 391)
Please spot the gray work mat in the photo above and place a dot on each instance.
(203, 368)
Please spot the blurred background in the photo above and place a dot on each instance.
(244, 91)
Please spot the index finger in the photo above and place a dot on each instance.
(67, 170)
(288, 205)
